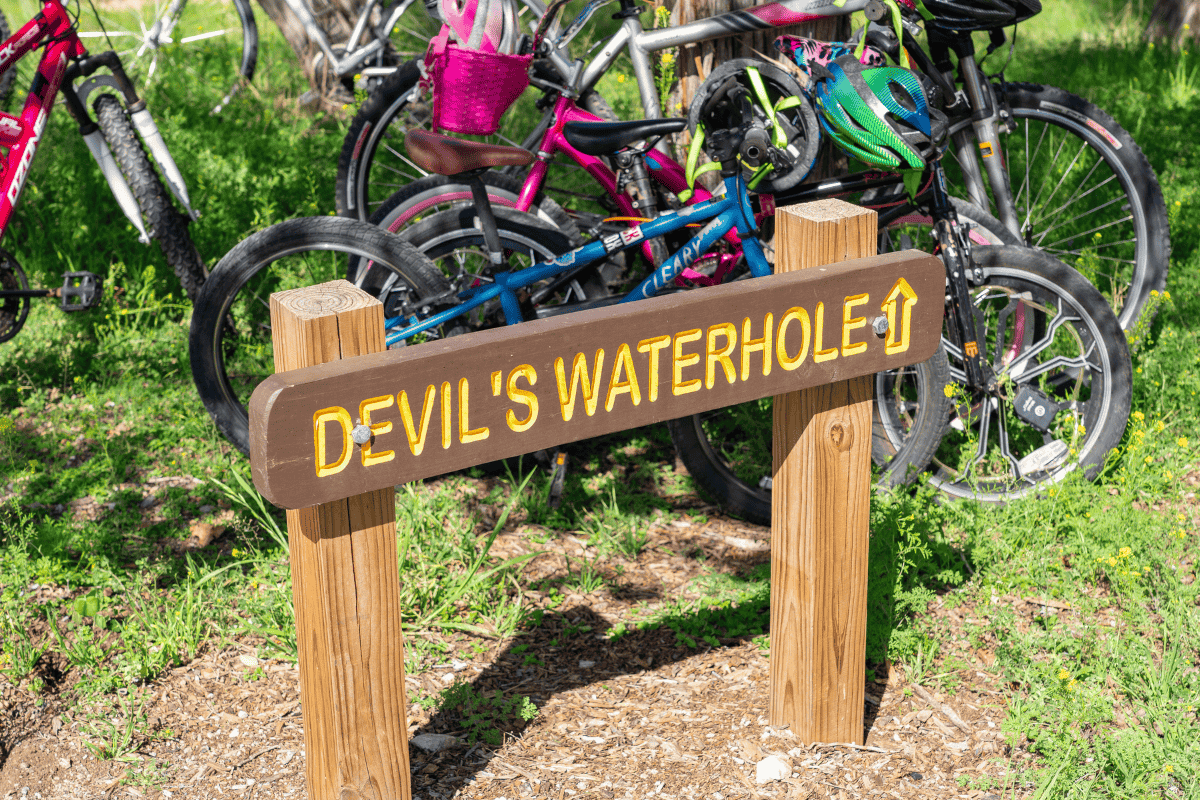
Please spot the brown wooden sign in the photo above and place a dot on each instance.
(454, 403)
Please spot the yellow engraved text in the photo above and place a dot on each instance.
(679, 360)
(898, 306)
(465, 434)
(652, 346)
(522, 396)
(377, 429)
(793, 315)
(762, 346)
(590, 387)
(822, 354)
(713, 356)
(618, 385)
(853, 323)
(320, 419)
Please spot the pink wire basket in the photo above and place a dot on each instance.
(472, 90)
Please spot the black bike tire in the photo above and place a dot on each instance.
(249, 38)
(257, 252)
(1088, 122)
(1025, 269)
(436, 236)
(898, 462)
(168, 226)
(503, 190)
(371, 123)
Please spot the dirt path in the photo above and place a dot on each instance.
(639, 716)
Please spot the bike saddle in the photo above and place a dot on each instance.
(602, 138)
(444, 155)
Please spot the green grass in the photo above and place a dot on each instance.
(1102, 686)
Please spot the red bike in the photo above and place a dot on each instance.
(118, 137)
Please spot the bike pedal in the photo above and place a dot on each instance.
(558, 478)
(81, 291)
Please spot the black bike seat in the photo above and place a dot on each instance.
(602, 138)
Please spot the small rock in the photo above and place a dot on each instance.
(64, 763)
(202, 535)
(772, 768)
(586, 664)
(434, 742)
(916, 776)
(458, 666)
(148, 501)
(242, 715)
(233, 734)
(248, 660)
(110, 404)
(207, 509)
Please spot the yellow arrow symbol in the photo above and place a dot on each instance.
(899, 334)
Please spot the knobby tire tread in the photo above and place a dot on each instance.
(168, 226)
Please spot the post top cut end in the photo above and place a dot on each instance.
(828, 210)
(334, 297)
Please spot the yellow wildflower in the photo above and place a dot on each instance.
(1063, 674)
(1159, 426)
(1125, 552)
(1112, 562)
(1167, 474)
(1139, 416)
(1182, 441)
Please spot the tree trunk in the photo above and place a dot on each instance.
(336, 18)
(1175, 21)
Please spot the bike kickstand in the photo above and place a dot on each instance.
(558, 478)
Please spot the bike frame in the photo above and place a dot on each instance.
(64, 58)
(640, 43)
(23, 134)
(724, 214)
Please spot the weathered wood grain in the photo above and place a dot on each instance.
(820, 510)
(346, 583)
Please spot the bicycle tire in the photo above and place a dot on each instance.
(168, 226)
(372, 164)
(1092, 391)
(434, 193)
(13, 310)
(451, 240)
(142, 33)
(229, 343)
(1126, 209)
(907, 416)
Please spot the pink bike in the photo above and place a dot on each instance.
(117, 137)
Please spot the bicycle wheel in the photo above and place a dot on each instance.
(1083, 192)
(433, 193)
(373, 163)
(1062, 394)
(230, 339)
(13, 310)
(456, 246)
(205, 37)
(728, 451)
(168, 226)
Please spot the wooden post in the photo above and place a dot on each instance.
(345, 581)
(820, 506)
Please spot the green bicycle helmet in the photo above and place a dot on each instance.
(879, 115)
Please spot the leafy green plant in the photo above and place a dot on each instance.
(484, 717)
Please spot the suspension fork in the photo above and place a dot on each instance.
(955, 250)
(984, 114)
